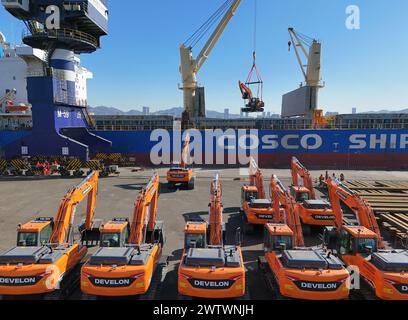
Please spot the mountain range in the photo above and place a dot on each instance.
(174, 111)
(177, 111)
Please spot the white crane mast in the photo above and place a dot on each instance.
(190, 66)
(311, 69)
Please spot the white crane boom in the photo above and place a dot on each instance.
(190, 66)
(312, 68)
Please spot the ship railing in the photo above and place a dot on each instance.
(62, 34)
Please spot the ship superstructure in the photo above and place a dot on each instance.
(56, 85)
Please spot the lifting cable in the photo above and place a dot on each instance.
(198, 35)
(254, 70)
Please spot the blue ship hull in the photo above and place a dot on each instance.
(353, 149)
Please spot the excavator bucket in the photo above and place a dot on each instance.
(90, 238)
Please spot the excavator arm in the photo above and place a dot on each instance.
(245, 91)
(280, 195)
(88, 188)
(185, 152)
(256, 178)
(299, 170)
(365, 214)
(144, 212)
(216, 211)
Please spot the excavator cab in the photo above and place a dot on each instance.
(248, 193)
(351, 240)
(278, 237)
(35, 233)
(195, 235)
(115, 233)
(300, 194)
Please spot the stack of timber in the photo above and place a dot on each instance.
(389, 200)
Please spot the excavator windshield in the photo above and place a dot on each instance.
(195, 241)
(110, 240)
(274, 242)
(366, 245)
(27, 239)
(352, 245)
(249, 193)
(301, 196)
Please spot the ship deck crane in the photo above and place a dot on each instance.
(362, 246)
(129, 260)
(182, 174)
(312, 211)
(47, 259)
(290, 269)
(209, 268)
(310, 65)
(194, 104)
(256, 209)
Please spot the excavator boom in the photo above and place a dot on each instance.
(256, 178)
(66, 213)
(216, 211)
(281, 196)
(185, 152)
(144, 213)
(299, 170)
(365, 214)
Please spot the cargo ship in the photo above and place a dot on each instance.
(43, 98)
(358, 141)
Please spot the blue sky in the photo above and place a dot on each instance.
(138, 63)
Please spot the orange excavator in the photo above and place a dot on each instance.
(255, 208)
(361, 245)
(180, 174)
(209, 268)
(312, 211)
(290, 269)
(127, 262)
(252, 103)
(47, 259)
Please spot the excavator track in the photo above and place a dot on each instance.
(366, 292)
(156, 283)
(68, 285)
(270, 279)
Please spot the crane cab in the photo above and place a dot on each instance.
(35, 233)
(16, 6)
(115, 233)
